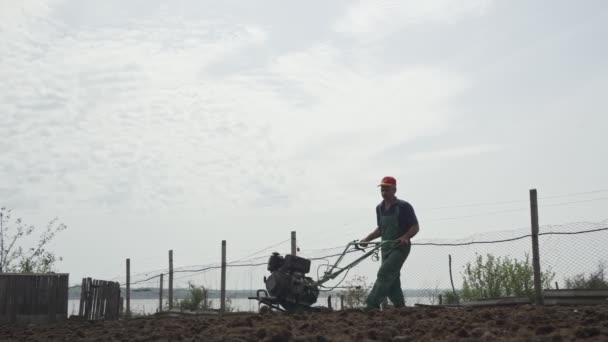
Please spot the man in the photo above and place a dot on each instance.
(396, 221)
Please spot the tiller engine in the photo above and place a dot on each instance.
(288, 288)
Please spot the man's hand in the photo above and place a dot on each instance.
(373, 235)
(404, 241)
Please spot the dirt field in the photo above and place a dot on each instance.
(525, 322)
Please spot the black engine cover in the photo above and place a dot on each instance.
(292, 288)
(294, 263)
(275, 262)
(288, 282)
(278, 284)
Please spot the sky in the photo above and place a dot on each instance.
(146, 126)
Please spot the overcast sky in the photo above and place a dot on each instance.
(154, 125)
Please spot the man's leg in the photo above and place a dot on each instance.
(388, 275)
(373, 301)
(371, 298)
(395, 293)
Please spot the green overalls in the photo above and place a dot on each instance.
(388, 283)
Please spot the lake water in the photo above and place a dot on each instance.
(150, 306)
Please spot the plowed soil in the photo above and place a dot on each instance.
(521, 323)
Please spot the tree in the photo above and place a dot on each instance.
(500, 277)
(14, 257)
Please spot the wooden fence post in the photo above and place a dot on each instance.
(51, 309)
(294, 245)
(170, 279)
(117, 301)
(535, 248)
(223, 279)
(89, 302)
(456, 296)
(128, 294)
(160, 295)
(83, 297)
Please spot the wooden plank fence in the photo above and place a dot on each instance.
(33, 298)
(99, 299)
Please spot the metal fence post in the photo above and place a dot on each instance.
(128, 294)
(535, 250)
(160, 295)
(223, 280)
(170, 279)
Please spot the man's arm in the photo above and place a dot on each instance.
(408, 219)
(405, 238)
(373, 235)
(376, 233)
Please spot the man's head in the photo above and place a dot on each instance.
(388, 187)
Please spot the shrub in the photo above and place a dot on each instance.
(499, 277)
(449, 297)
(197, 299)
(595, 281)
(356, 294)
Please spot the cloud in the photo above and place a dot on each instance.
(120, 117)
(353, 112)
(134, 116)
(15, 16)
(369, 19)
(455, 152)
(355, 97)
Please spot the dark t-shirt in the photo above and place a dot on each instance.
(407, 216)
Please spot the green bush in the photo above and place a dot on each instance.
(449, 297)
(197, 299)
(595, 281)
(500, 277)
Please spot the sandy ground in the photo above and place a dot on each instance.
(521, 323)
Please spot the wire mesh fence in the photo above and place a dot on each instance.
(567, 252)
(575, 251)
(427, 270)
(435, 267)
